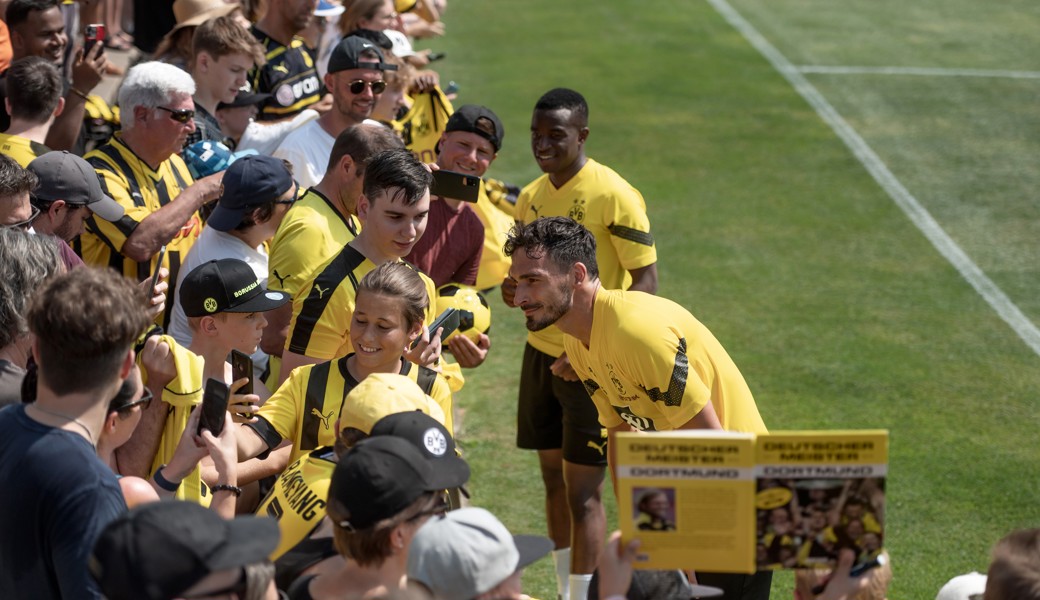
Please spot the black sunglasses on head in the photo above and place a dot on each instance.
(358, 86)
(143, 402)
(181, 115)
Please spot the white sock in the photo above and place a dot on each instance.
(579, 585)
(562, 560)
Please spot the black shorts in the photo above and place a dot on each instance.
(554, 413)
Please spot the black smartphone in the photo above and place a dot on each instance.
(214, 407)
(435, 56)
(449, 320)
(242, 366)
(92, 34)
(158, 266)
(457, 186)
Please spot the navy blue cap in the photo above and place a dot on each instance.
(249, 182)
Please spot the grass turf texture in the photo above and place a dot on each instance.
(838, 311)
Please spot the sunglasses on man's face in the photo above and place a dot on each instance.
(181, 115)
(26, 224)
(143, 401)
(358, 86)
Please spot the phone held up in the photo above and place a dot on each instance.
(214, 407)
(93, 34)
(457, 186)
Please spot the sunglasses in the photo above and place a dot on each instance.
(24, 225)
(296, 195)
(181, 115)
(438, 509)
(143, 402)
(358, 86)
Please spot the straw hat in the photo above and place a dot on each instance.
(190, 13)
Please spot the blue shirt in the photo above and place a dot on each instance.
(56, 498)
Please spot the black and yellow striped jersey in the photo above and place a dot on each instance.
(310, 234)
(21, 149)
(289, 76)
(297, 500)
(306, 407)
(324, 306)
(141, 190)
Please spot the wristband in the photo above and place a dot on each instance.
(234, 489)
(163, 482)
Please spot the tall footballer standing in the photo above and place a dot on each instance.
(555, 415)
(646, 362)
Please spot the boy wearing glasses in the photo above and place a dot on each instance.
(139, 168)
(223, 53)
(257, 192)
(355, 80)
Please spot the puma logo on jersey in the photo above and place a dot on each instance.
(321, 292)
(601, 448)
(281, 279)
(324, 418)
(280, 68)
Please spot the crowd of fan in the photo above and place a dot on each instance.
(261, 187)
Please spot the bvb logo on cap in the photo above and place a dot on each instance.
(435, 442)
(210, 305)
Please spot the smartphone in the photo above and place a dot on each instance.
(158, 266)
(92, 34)
(242, 366)
(457, 186)
(449, 320)
(214, 407)
(435, 56)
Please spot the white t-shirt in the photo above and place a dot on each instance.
(214, 245)
(266, 137)
(308, 149)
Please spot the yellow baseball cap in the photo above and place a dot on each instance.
(382, 394)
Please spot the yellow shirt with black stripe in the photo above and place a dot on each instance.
(21, 149)
(289, 76)
(421, 127)
(181, 395)
(324, 307)
(297, 500)
(651, 364)
(610, 208)
(310, 234)
(305, 408)
(141, 190)
(494, 264)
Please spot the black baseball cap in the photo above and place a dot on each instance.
(347, 55)
(65, 176)
(479, 120)
(249, 182)
(429, 436)
(226, 285)
(245, 97)
(160, 549)
(381, 476)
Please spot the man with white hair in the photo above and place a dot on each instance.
(140, 169)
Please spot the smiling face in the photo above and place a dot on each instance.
(379, 331)
(465, 152)
(42, 34)
(391, 225)
(354, 108)
(543, 292)
(558, 140)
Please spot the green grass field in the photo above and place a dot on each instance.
(838, 310)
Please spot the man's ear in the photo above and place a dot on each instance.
(60, 108)
(55, 208)
(208, 326)
(362, 207)
(128, 364)
(346, 165)
(580, 273)
(583, 135)
(141, 113)
(203, 61)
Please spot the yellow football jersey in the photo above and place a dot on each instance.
(612, 210)
(651, 364)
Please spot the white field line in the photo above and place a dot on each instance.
(920, 217)
(918, 71)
